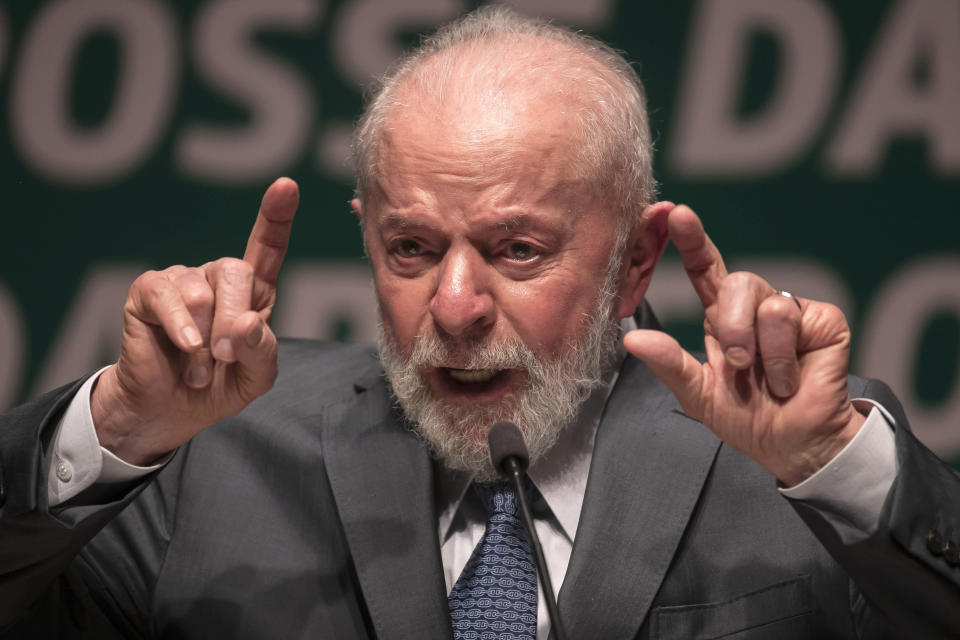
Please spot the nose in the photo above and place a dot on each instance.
(462, 301)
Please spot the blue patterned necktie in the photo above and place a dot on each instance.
(496, 595)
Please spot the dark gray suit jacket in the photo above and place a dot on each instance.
(312, 514)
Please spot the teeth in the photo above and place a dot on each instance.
(472, 375)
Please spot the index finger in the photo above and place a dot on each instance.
(701, 258)
(267, 244)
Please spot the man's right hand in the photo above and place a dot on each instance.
(196, 345)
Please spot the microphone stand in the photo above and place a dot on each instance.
(513, 469)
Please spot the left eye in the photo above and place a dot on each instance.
(410, 248)
(520, 251)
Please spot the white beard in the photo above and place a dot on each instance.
(547, 403)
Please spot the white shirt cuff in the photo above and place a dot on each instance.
(850, 489)
(77, 461)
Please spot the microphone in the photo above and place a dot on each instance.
(508, 453)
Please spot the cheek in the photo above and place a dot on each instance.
(396, 305)
(403, 307)
(548, 313)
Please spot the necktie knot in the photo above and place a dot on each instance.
(499, 498)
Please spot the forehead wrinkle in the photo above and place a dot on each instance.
(498, 125)
(516, 222)
(418, 158)
(418, 164)
(512, 184)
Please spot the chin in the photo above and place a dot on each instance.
(457, 434)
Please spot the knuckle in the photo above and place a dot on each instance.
(196, 294)
(147, 279)
(234, 268)
(776, 306)
(152, 287)
(738, 280)
(833, 312)
(826, 314)
(833, 319)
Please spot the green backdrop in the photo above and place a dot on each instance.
(819, 141)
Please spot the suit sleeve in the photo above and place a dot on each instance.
(46, 589)
(907, 571)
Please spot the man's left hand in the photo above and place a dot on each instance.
(774, 385)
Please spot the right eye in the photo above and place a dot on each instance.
(409, 248)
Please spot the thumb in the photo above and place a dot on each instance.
(671, 363)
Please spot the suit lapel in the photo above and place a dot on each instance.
(649, 464)
(382, 481)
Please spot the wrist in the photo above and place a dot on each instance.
(821, 452)
(117, 424)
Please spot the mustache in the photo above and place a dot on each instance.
(434, 350)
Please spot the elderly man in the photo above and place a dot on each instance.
(504, 192)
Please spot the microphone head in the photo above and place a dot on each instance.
(505, 442)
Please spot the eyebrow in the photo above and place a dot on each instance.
(517, 222)
(395, 221)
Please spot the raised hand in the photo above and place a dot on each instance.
(774, 385)
(196, 345)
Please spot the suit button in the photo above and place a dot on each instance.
(3, 489)
(935, 543)
(952, 554)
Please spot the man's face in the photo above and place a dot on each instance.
(489, 254)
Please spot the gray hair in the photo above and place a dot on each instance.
(616, 150)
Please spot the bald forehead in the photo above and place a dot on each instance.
(493, 87)
(505, 111)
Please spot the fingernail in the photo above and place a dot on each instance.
(191, 336)
(738, 357)
(253, 338)
(198, 376)
(782, 387)
(223, 350)
(786, 388)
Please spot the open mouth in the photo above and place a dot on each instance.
(473, 376)
(475, 385)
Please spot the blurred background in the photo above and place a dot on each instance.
(819, 141)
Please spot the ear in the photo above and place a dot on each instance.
(646, 246)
